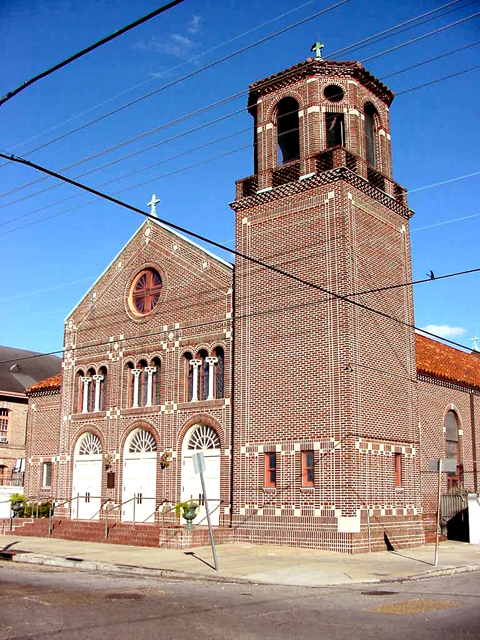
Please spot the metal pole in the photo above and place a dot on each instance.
(134, 500)
(210, 531)
(78, 506)
(49, 518)
(106, 523)
(437, 532)
(38, 499)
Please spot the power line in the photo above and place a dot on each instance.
(440, 224)
(184, 77)
(92, 47)
(422, 37)
(187, 116)
(190, 75)
(442, 55)
(220, 246)
(168, 71)
(451, 75)
(153, 334)
(392, 31)
(182, 134)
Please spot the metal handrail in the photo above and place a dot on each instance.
(101, 507)
(218, 505)
(120, 504)
(156, 509)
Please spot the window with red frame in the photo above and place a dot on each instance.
(308, 469)
(397, 463)
(270, 469)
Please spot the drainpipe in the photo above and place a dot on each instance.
(474, 445)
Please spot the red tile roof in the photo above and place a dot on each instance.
(447, 363)
(54, 382)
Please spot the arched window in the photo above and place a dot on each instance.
(142, 442)
(371, 114)
(288, 137)
(219, 384)
(203, 372)
(103, 388)
(90, 445)
(452, 449)
(129, 368)
(79, 392)
(143, 383)
(90, 390)
(188, 377)
(157, 365)
(204, 437)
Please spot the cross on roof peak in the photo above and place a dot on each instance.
(317, 47)
(153, 205)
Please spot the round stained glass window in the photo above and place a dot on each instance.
(145, 292)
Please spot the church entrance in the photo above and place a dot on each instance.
(205, 439)
(139, 477)
(87, 478)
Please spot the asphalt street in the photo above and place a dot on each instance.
(41, 602)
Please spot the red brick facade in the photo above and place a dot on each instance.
(314, 372)
(318, 425)
(193, 316)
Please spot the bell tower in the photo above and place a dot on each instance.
(325, 408)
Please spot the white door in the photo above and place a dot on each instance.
(205, 439)
(87, 478)
(139, 478)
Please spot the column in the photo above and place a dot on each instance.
(211, 364)
(195, 364)
(86, 381)
(151, 371)
(136, 375)
(97, 380)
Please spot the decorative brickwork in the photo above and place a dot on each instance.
(307, 405)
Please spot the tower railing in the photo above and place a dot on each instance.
(327, 160)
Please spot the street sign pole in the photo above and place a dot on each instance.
(199, 467)
(437, 532)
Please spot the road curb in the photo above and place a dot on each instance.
(175, 574)
(107, 567)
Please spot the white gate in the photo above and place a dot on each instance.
(139, 477)
(87, 478)
(205, 439)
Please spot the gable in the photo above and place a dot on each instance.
(194, 285)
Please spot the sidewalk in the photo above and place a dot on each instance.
(247, 562)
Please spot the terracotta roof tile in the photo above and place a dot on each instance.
(447, 363)
(54, 382)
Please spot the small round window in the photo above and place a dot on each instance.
(333, 93)
(145, 292)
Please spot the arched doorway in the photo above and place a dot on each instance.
(139, 477)
(202, 438)
(87, 478)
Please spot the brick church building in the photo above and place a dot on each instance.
(299, 374)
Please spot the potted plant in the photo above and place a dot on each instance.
(18, 502)
(188, 509)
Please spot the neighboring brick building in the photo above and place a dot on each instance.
(306, 404)
(19, 369)
(449, 413)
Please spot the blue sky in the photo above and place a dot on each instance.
(55, 243)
